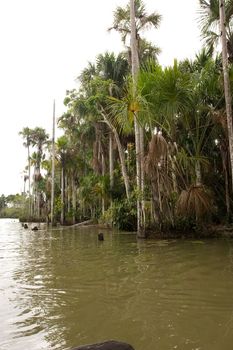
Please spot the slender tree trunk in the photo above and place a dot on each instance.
(62, 196)
(53, 166)
(227, 195)
(68, 194)
(29, 184)
(33, 204)
(198, 173)
(135, 69)
(73, 198)
(142, 156)
(37, 194)
(67, 207)
(225, 165)
(173, 172)
(226, 82)
(111, 166)
(103, 174)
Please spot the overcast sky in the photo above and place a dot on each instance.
(44, 46)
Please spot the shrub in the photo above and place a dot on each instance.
(124, 215)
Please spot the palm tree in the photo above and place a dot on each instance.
(227, 91)
(180, 102)
(209, 23)
(139, 139)
(107, 81)
(143, 21)
(114, 70)
(216, 22)
(26, 133)
(61, 145)
(131, 21)
(39, 138)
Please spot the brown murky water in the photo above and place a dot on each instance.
(60, 289)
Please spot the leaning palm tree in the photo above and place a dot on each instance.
(114, 70)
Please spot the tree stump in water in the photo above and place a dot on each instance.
(107, 345)
(100, 236)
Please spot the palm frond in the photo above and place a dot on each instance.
(195, 201)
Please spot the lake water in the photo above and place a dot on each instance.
(64, 288)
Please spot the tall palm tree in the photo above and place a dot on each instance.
(216, 23)
(130, 21)
(39, 138)
(209, 22)
(227, 91)
(61, 146)
(108, 81)
(139, 142)
(114, 70)
(143, 21)
(180, 101)
(26, 133)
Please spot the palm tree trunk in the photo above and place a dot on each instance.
(68, 194)
(111, 166)
(227, 196)
(226, 82)
(198, 173)
(103, 174)
(73, 199)
(53, 167)
(62, 196)
(135, 69)
(225, 166)
(29, 184)
(142, 156)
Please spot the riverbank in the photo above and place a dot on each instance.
(202, 232)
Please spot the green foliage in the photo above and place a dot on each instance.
(3, 202)
(182, 111)
(11, 213)
(124, 214)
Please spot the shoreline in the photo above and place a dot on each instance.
(209, 231)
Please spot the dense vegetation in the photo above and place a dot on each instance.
(12, 206)
(177, 115)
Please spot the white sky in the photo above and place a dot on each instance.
(44, 46)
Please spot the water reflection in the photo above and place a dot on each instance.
(64, 288)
